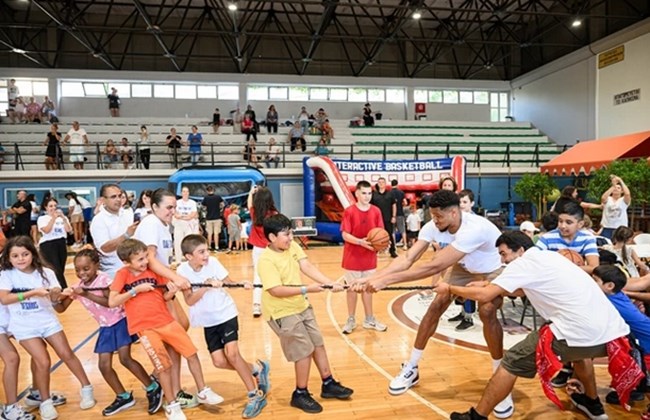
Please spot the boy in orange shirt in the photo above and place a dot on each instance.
(143, 295)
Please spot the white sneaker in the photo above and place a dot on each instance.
(505, 408)
(16, 412)
(208, 396)
(47, 410)
(87, 397)
(173, 411)
(257, 310)
(373, 324)
(408, 377)
(350, 325)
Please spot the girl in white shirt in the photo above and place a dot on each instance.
(615, 202)
(54, 227)
(185, 221)
(28, 289)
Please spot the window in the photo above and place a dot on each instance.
(4, 95)
(376, 95)
(72, 89)
(185, 91)
(337, 94)
(450, 96)
(278, 93)
(41, 88)
(298, 93)
(318, 94)
(228, 92)
(481, 97)
(206, 92)
(420, 96)
(141, 90)
(435, 96)
(123, 89)
(466, 97)
(395, 96)
(260, 93)
(498, 106)
(357, 95)
(25, 87)
(163, 91)
(94, 89)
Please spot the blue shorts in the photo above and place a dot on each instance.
(112, 338)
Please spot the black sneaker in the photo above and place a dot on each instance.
(118, 405)
(592, 408)
(335, 390)
(562, 377)
(393, 254)
(465, 324)
(155, 398)
(612, 397)
(305, 402)
(457, 318)
(468, 415)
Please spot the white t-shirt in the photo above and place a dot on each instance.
(57, 232)
(143, 212)
(85, 204)
(126, 216)
(183, 208)
(154, 232)
(563, 293)
(35, 211)
(477, 237)
(77, 207)
(32, 312)
(77, 140)
(413, 222)
(105, 227)
(216, 306)
(614, 213)
(430, 233)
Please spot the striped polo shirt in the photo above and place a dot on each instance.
(583, 243)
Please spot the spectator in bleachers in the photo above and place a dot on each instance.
(33, 111)
(13, 92)
(53, 150)
(303, 119)
(327, 131)
(114, 103)
(251, 113)
(77, 138)
(109, 154)
(250, 155)
(18, 115)
(126, 153)
(216, 121)
(144, 146)
(368, 119)
(173, 143)
(297, 135)
(272, 153)
(47, 109)
(321, 149)
(272, 120)
(194, 142)
(237, 119)
(248, 127)
(2, 155)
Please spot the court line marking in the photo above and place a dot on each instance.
(374, 365)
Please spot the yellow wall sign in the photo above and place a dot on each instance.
(612, 56)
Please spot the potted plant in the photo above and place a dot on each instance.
(534, 188)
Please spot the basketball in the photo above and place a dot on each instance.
(572, 256)
(378, 238)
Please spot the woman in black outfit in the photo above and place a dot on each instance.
(54, 228)
(53, 151)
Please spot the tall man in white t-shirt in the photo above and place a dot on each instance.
(110, 227)
(472, 256)
(582, 319)
(77, 138)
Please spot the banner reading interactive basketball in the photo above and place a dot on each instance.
(329, 184)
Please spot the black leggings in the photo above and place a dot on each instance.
(145, 157)
(272, 127)
(55, 253)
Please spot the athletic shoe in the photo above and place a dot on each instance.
(254, 405)
(257, 310)
(469, 415)
(457, 318)
(47, 410)
(373, 324)
(465, 324)
(263, 381)
(87, 397)
(505, 408)
(155, 399)
(186, 400)
(350, 325)
(406, 378)
(562, 377)
(16, 412)
(33, 399)
(334, 389)
(173, 411)
(612, 397)
(593, 409)
(209, 397)
(393, 254)
(305, 402)
(120, 404)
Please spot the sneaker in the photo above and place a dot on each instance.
(469, 415)
(155, 399)
(254, 405)
(612, 397)
(505, 408)
(406, 378)
(87, 397)
(334, 389)
(263, 381)
(562, 377)
(47, 410)
(465, 324)
(257, 310)
(457, 318)
(33, 399)
(593, 409)
(373, 324)
(16, 412)
(393, 254)
(173, 411)
(119, 404)
(350, 325)
(305, 402)
(186, 400)
(209, 397)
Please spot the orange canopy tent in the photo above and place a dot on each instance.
(594, 154)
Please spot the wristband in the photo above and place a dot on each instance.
(303, 290)
(132, 292)
(21, 297)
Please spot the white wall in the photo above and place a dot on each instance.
(629, 74)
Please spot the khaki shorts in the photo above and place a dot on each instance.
(213, 227)
(153, 341)
(351, 276)
(458, 276)
(77, 218)
(520, 359)
(299, 334)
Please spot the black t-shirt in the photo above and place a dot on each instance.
(399, 198)
(174, 141)
(212, 203)
(113, 101)
(216, 118)
(21, 221)
(384, 202)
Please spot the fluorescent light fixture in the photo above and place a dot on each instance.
(416, 15)
(18, 51)
(576, 23)
(232, 7)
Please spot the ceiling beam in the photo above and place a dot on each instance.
(156, 32)
(329, 12)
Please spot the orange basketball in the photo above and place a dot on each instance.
(378, 238)
(572, 256)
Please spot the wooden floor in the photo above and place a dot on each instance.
(451, 377)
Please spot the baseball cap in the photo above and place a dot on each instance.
(529, 226)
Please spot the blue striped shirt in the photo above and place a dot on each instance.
(583, 243)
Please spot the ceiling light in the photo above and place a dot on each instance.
(576, 23)
(416, 15)
(232, 7)
(18, 51)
